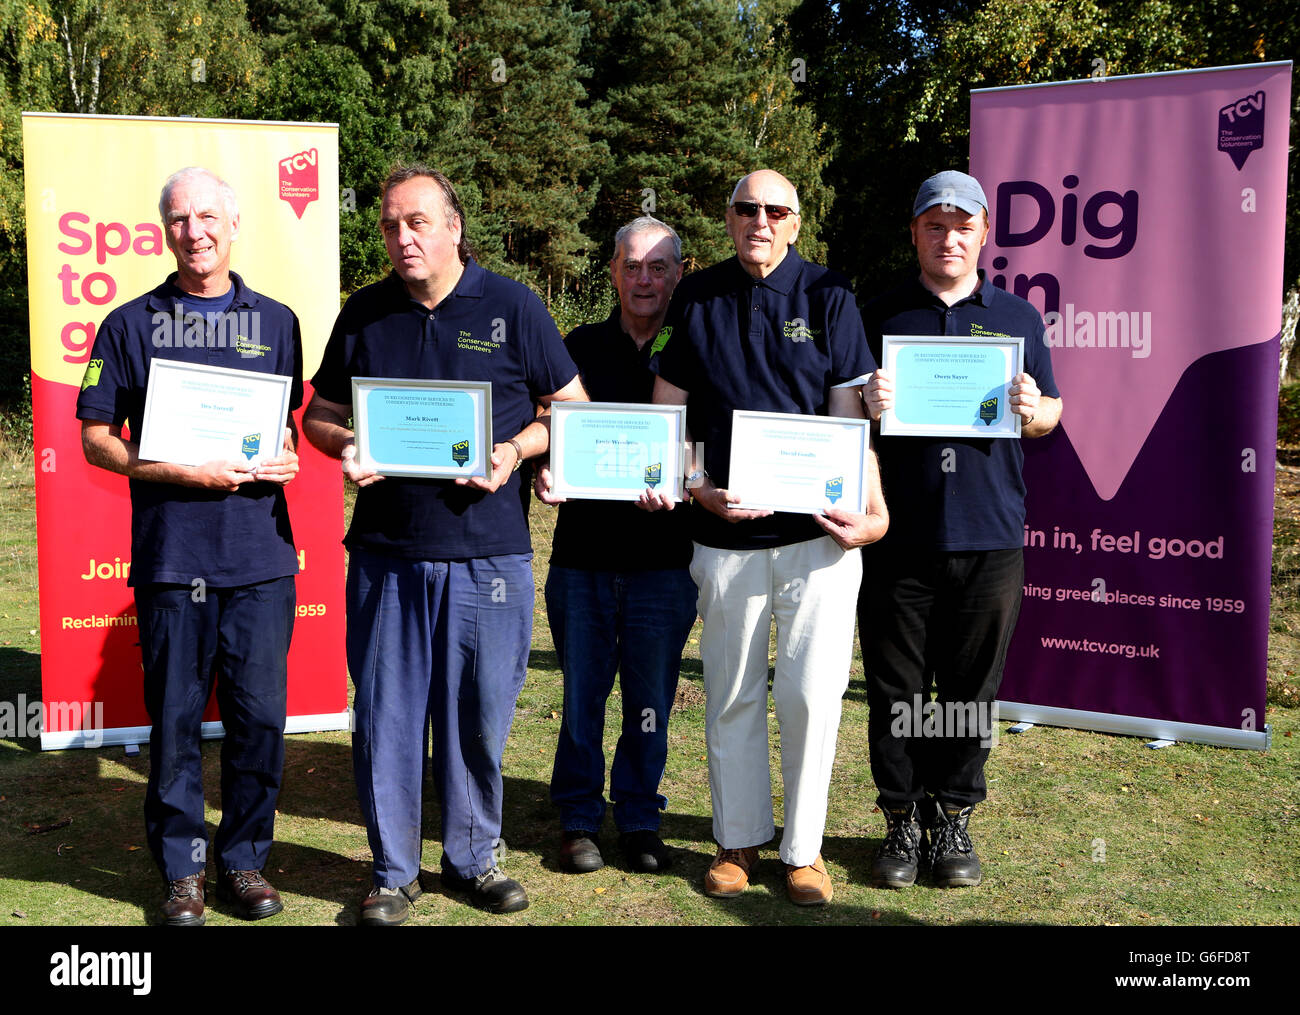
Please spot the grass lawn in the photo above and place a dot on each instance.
(1080, 828)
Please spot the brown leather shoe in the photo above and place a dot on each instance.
(728, 875)
(250, 894)
(808, 886)
(184, 905)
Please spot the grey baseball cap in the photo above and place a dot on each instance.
(952, 188)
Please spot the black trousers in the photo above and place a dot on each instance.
(941, 622)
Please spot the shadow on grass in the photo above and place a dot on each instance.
(20, 682)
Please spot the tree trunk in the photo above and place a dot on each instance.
(1290, 316)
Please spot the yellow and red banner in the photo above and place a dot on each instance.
(94, 241)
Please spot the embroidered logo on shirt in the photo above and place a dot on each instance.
(250, 348)
(661, 340)
(979, 331)
(469, 343)
(93, 369)
(798, 331)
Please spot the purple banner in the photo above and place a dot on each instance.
(1144, 217)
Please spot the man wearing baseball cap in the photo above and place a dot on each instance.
(941, 592)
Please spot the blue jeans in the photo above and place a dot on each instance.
(442, 643)
(636, 624)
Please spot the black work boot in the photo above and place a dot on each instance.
(953, 862)
(899, 856)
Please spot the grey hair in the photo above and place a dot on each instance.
(227, 192)
(647, 224)
(736, 190)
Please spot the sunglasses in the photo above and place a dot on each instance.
(748, 209)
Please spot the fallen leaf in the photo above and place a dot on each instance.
(600, 891)
(875, 914)
(555, 714)
(310, 770)
(118, 789)
(19, 913)
(131, 849)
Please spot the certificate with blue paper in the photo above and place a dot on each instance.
(801, 464)
(950, 386)
(423, 429)
(615, 450)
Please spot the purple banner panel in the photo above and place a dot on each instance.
(1144, 217)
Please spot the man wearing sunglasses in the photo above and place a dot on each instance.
(941, 594)
(768, 331)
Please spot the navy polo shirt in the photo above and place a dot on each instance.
(179, 533)
(488, 328)
(777, 344)
(604, 535)
(972, 497)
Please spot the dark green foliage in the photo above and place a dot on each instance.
(560, 121)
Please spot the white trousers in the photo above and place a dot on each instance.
(811, 588)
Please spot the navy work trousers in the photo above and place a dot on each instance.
(239, 636)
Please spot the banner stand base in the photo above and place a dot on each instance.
(1137, 726)
(209, 731)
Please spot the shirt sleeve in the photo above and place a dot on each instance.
(333, 379)
(295, 392)
(1038, 362)
(105, 386)
(850, 355)
(674, 357)
(549, 367)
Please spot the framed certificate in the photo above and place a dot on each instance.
(615, 450)
(951, 387)
(195, 413)
(802, 464)
(423, 429)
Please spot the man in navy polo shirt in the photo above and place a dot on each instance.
(941, 593)
(440, 581)
(619, 594)
(212, 556)
(766, 330)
